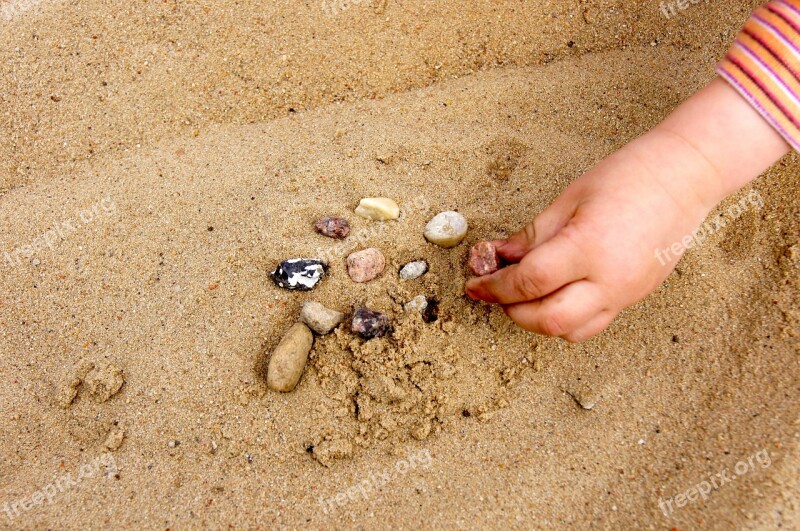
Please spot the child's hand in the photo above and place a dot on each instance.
(592, 252)
(604, 244)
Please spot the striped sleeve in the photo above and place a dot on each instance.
(763, 65)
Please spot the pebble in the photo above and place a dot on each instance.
(446, 229)
(378, 209)
(483, 259)
(114, 439)
(414, 269)
(289, 359)
(363, 266)
(319, 318)
(369, 323)
(417, 304)
(333, 227)
(299, 273)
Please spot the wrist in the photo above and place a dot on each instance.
(723, 140)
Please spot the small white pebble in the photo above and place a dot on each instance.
(446, 229)
(417, 304)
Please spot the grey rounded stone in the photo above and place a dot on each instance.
(413, 270)
(319, 318)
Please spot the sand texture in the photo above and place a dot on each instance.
(159, 159)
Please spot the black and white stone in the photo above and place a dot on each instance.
(301, 274)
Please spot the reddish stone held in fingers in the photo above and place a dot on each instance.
(483, 259)
(333, 227)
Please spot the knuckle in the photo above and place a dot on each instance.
(530, 231)
(553, 324)
(534, 281)
(528, 286)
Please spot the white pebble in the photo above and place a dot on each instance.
(378, 209)
(414, 269)
(417, 304)
(446, 229)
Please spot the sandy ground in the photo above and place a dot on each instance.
(166, 156)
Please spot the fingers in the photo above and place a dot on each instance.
(545, 269)
(518, 245)
(562, 313)
(544, 227)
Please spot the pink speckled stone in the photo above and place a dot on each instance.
(363, 266)
(483, 259)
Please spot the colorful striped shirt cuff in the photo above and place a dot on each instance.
(763, 65)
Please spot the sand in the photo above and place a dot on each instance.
(160, 159)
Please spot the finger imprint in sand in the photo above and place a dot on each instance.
(289, 359)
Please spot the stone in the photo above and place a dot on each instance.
(363, 266)
(378, 209)
(483, 259)
(413, 270)
(333, 227)
(417, 304)
(586, 398)
(289, 358)
(319, 318)
(369, 323)
(301, 274)
(446, 229)
(104, 382)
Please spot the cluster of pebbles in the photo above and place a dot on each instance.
(446, 229)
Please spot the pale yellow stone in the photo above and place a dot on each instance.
(378, 209)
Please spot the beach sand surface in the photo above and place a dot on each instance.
(165, 157)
